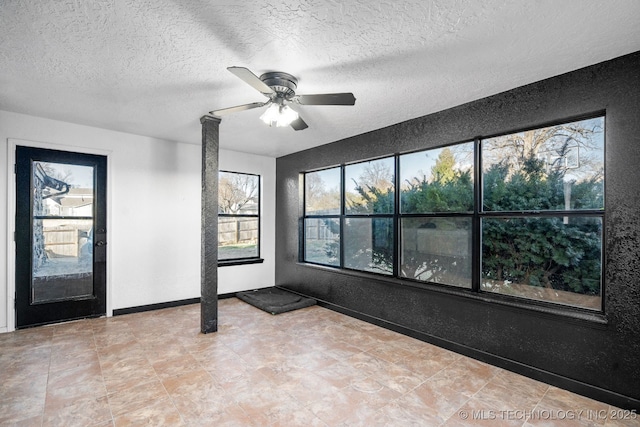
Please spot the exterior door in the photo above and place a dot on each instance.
(60, 236)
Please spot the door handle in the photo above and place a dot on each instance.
(101, 243)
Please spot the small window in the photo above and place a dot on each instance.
(238, 217)
(368, 244)
(322, 207)
(369, 216)
(322, 241)
(437, 249)
(547, 169)
(322, 192)
(436, 203)
(439, 180)
(369, 187)
(554, 259)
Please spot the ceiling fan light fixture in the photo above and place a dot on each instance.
(280, 88)
(270, 116)
(287, 115)
(279, 115)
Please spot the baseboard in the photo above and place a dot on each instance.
(158, 306)
(590, 391)
(226, 296)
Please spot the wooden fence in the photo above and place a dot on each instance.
(234, 231)
(318, 230)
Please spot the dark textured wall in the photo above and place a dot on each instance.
(597, 358)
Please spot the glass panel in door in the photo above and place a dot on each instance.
(62, 231)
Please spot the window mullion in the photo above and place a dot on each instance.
(343, 210)
(396, 219)
(476, 232)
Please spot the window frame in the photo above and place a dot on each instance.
(251, 259)
(477, 215)
(470, 214)
(576, 213)
(338, 216)
(371, 216)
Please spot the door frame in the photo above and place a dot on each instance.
(12, 143)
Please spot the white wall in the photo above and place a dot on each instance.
(153, 212)
(253, 276)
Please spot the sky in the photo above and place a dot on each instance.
(420, 163)
(411, 165)
(79, 177)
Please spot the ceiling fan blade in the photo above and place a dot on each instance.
(326, 99)
(251, 79)
(299, 124)
(237, 108)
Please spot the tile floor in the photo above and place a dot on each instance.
(311, 367)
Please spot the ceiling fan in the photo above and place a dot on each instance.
(280, 88)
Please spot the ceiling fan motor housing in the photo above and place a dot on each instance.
(283, 84)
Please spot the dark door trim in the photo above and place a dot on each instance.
(88, 307)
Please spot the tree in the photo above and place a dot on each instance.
(529, 171)
(319, 198)
(443, 171)
(447, 190)
(552, 144)
(236, 191)
(539, 251)
(370, 243)
(376, 175)
(374, 190)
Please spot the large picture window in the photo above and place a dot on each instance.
(238, 217)
(543, 208)
(520, 215)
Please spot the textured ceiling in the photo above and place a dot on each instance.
(154, 67)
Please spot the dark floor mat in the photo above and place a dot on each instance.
(274, 300)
